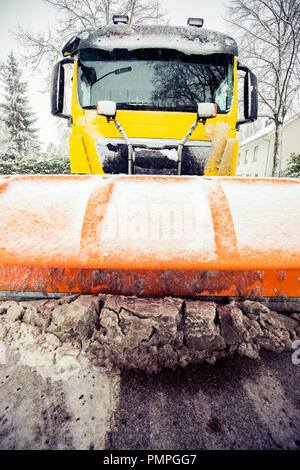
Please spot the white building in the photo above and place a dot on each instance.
(256, 152)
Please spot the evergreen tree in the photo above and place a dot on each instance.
(293, 165)
(2, 137)
(15, 112)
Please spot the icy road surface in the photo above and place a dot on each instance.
(236, 404)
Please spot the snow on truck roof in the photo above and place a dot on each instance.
(186, 39)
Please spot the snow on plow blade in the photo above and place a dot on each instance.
(150, 235)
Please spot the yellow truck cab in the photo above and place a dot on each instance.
(153, 99)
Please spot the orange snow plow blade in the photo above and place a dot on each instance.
(150, 235)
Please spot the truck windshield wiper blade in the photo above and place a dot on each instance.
(116, 72)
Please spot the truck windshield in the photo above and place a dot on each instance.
(154, 79)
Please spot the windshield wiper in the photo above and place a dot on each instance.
(116, 72)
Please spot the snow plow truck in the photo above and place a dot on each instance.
(153, 206)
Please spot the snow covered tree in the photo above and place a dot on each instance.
(15, 113)
(293, 165)
(2, 137)
(78, 15)
(268, 33)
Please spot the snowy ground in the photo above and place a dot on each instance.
(66, 377)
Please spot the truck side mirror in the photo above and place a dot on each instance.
(207, 110)
(250, 96)
(58, 89)
(107, 108)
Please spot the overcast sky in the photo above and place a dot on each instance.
(36, 15)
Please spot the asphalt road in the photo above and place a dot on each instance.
(239, 403)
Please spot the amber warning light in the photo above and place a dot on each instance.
(120, 19)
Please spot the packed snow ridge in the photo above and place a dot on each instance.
(140, 333)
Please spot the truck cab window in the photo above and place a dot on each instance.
(156, 79)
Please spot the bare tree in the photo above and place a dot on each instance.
(144, 11)
(79, 15)
(268, 32)
(186, 84)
